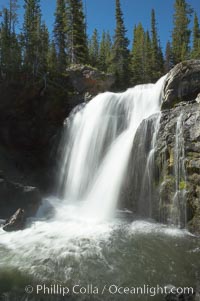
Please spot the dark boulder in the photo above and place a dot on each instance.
(15, 195)
(16, 222)
(89, 81)
(182, 83)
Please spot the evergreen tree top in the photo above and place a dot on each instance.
(120, 30)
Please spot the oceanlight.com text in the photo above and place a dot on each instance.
(112, 289)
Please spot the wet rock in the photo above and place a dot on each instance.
(15, 195)
(87, 97)
(198, 98)
(16, 222)
(180, 297)
(182, 83)
(165, 161)
(2, 222)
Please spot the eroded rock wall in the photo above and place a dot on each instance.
(166, 160)
(180, 104)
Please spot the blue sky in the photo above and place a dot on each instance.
(101, 14)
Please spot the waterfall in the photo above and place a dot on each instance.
(147, 192)
(108, 146)
(98, 143)
(178, 211)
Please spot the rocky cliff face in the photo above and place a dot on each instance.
(178, 149)
(178, 164)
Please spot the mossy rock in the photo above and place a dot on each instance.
(194, 225)
(182, 185)
(167, 188)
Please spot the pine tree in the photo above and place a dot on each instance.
(196, 39)
(157, 57)
(5, 43)
(52, 60)
(44, 48)
(10, 50)
(105, 52)
(147, 58)
(138, 56)
(94, 49)
(60, 35)
(102, 53)
(76, 33)
(181, 32)
(15, 46)
(31, 36)
(16, 56)
(168, 58)
(120, 59)
(13, 7)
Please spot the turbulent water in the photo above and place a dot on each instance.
(83, 240)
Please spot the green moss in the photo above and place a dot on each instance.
(171, 158)
(169, 178)
(176, 101)
(182, 185)
(167, 188)
(193, 155)
(171, 103)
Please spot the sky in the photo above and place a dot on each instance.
(101, 15)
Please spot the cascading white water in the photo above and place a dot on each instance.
(147, 193)
(98, 146)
